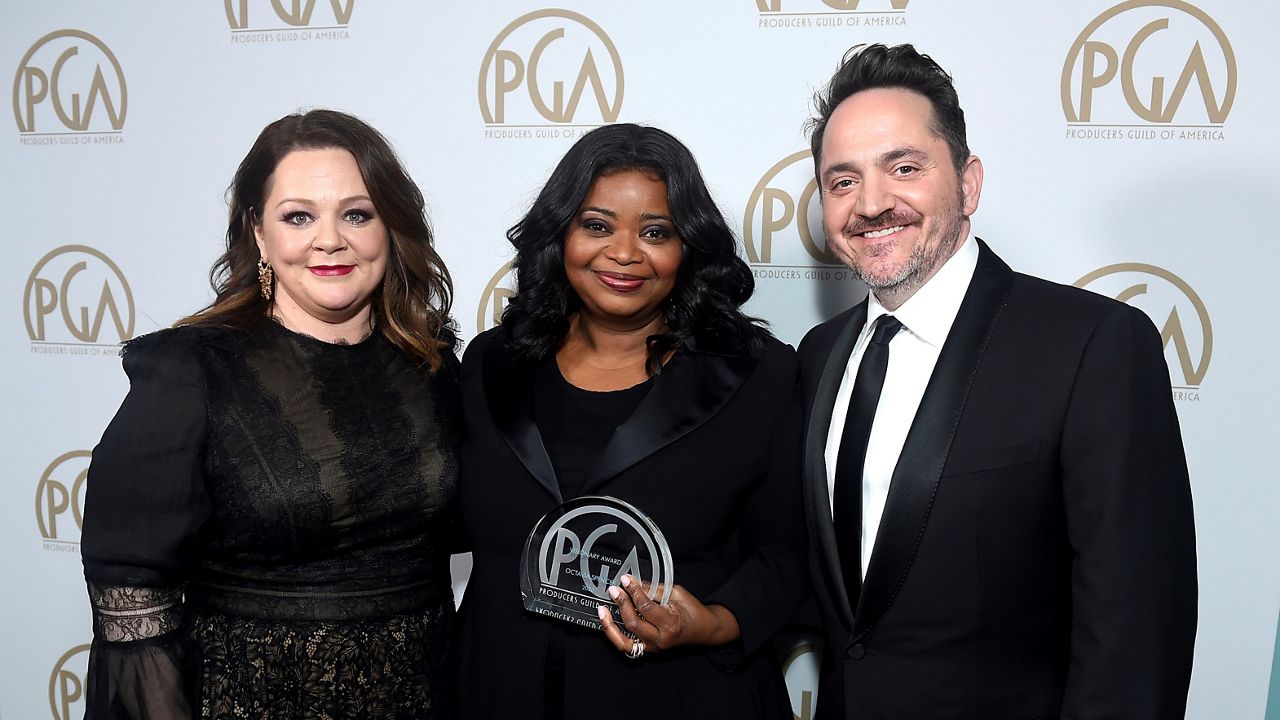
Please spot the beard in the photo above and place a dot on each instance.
(926, 257)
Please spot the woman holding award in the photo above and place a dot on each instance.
(624, 368)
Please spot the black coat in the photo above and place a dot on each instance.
(1036, 556)
(712, 456)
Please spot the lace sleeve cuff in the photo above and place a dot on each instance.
(122, 614)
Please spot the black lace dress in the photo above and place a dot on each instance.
(266, 530)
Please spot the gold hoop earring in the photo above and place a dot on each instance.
(265, 276)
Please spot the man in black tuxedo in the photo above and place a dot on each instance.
(999, 510)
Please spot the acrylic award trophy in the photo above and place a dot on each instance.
(580, 548)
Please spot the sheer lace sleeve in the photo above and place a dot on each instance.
(140, 666)
(124, 614)
(144, 504)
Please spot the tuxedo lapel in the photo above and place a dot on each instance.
(509, 392)
(691, 389)
(919, 468)
(817, 495)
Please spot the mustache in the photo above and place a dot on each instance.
(886, 219)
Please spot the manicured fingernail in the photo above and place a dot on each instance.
(626, 581)
(614, 592)
(602, 612)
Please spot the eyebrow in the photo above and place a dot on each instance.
(305, 201)
(885, 158)
(614, 215)
(902, 153)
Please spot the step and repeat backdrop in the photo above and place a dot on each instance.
(1131, 148)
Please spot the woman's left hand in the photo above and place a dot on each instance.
(684, 620)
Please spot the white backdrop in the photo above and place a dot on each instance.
(1129, 147)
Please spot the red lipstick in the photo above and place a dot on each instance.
(331, 270)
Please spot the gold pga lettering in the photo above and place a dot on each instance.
(68, 294)
(800, 670)
(297, 14)
(497, 293)
(61, 489)
(521, 56)
(66, 684)
(63, 72)
(1135, 284)
(776, 210)
(1176, 34)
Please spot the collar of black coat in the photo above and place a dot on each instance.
(695, 384)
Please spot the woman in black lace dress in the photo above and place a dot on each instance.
(266, 516)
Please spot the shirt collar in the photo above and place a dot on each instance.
(928, 313)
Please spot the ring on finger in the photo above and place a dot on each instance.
(637, 650)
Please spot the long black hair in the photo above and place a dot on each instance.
(713, 281)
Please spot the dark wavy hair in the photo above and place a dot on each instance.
(713, 281)
(411, 307)
(901, 66)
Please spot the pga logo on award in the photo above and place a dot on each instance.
(580, 548)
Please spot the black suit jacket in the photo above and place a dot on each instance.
(712, 455)
(1036, 555)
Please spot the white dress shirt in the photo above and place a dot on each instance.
(926, 318)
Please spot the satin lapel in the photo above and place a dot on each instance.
(919, 469)
(817, 495)
(691, 389)
(509, 391)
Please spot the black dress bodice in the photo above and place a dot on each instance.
(272, 480)
(328, 468)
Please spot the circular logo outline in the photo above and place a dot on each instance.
(615, 107)
(1202, 312)
(72, 494)
(490, 289)
(299, 21)
(660, 583)
(1229, 97)
(62, 250)
(805, 647)
(802, 224)
(53, 677)
(49, 37)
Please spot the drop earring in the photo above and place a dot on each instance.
(265, 277)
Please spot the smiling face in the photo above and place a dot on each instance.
(325, 242)
(621, 252)
(893, 206)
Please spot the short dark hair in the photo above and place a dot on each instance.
(901, 66)
(411, 307)
(713, 281)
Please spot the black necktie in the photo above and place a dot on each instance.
(847, 501)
